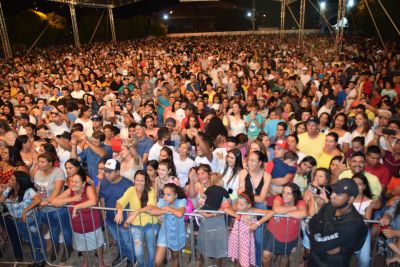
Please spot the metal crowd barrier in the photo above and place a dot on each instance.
(203, 233)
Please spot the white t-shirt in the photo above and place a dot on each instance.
(58, 129)
(78, 95)
(154, 153)
(203, 160)
(182, 169)
(233, 183)
(87, 126)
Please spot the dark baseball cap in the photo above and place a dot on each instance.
(345, 185)
(25, 116)
(313, 119)
(96, 118)
(65, 135)
(171, 121)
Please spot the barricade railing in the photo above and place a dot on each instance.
(210, 237)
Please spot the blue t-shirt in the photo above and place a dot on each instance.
(340, 98)
(91, 160)
(172, 232)
(281, 169)
(271, 125)
(144, 146)
(254, 130)
(111, 192)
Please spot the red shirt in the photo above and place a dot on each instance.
(380, 171)
(285, 229)
(185, 121)
(85, 221)
(391, 163)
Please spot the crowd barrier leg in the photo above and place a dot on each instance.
(64, 236)
(107, 240)
(192, 259)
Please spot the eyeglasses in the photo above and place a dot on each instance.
(108, 171)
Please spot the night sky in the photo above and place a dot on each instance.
(145, 7)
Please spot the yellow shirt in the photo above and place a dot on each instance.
(324, 160)
(311, 147)
(130, 197)
(370, 114)
(373, 181)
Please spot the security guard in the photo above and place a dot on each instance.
(337, 230)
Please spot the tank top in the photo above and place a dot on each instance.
(249, 187)
(83, 222)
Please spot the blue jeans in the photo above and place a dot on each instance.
(147, 233)
(7, 222)
(363, 255)
(259, 236)
(122, 236)
(33, 236)
(58, 221)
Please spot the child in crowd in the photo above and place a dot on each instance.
(172, 233)
(215, 194)
(166, 174)
(241, 244)
(282, 172)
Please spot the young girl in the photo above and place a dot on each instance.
(172, 233)
(86, 223)
(241, 244)
(151, 169)
(166, 174)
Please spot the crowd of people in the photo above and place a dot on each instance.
(274, 136)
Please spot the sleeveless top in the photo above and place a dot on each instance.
(249, 187)
(83, 222)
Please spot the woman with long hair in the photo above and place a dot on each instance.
(11, 161)
(183, 163)
(254, 180)
(231, 172)
(191, 130)
(143, 226)
(237, 123)
(339, 126)
(130, 160)
(84, 119)
(166, 174)
(21, 198)
(361, 127)
(362, 203)
(49, 182)
(282, 233)
(330, 150)
(26, 150)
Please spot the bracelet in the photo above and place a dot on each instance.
(258, 223)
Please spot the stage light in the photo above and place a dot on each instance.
(322, 6)
(165, 17)
(249, 14)
(350, 4)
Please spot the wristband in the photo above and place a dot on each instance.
(258, 223)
